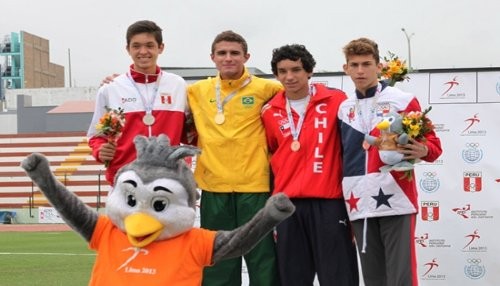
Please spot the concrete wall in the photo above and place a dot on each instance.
(30, 115)
(31, 119)
(50, 96)
(36, 119)
(8, 122)
(63, 122)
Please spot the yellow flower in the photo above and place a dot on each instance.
(394, 69)
(416, 124)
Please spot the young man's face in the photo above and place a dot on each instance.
(229, 59)
(363, 70)
(293, 77)
(144, 51)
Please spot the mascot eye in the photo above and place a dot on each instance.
(160, 204)
(390, 119)
(131, 201)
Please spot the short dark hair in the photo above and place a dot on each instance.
(144, 26)
(230, 36)
(362, 47)
(293, 52)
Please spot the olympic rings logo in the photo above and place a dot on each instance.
(472, 145)
(474, 260)
(430, 175)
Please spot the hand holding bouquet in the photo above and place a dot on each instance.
(111, 125)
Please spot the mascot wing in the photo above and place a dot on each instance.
(74, 212)
(231, 244)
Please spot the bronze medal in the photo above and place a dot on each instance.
(295, 146)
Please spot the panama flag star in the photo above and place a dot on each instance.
(382, 199)
(353, 202)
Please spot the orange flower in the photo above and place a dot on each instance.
(110, 125)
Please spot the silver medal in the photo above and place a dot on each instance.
(148, 119)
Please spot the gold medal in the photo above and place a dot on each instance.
(148, 119)
(219, 118)
(295, 146)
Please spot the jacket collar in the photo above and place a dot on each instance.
(233, 83)
(280, 99)
(141, 77)
(371, 91)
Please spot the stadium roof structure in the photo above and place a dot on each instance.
(202, 72)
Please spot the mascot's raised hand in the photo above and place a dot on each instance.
(391, 134)
(147, 236)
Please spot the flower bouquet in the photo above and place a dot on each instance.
(416, 124)
(110, 125)
(394, 69)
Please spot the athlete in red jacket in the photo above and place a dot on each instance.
(301, 130)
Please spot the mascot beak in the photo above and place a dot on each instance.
(384, 125)
(142, 229)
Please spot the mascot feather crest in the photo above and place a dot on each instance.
(147, 236)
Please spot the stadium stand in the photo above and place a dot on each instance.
(70, 159)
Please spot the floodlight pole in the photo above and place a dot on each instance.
(408, 39)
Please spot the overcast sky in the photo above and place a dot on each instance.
(447, 33)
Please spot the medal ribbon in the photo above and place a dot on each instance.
(148, 105)
(220, 104)
(295, 131)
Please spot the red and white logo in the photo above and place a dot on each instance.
(430, 210)
(473, 181)
(166, 98)
(451, 84)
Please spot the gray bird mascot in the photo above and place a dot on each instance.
(391, 134)
(147, 236)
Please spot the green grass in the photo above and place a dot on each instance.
(44, 258)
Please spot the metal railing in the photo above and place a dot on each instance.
(99, 183)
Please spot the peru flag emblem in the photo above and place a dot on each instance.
(473, 181)
(430, 210)
(166, 98)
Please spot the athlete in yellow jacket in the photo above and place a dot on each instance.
(233, 168)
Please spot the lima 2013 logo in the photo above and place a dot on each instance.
(450, 85)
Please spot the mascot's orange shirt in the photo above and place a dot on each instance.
(176, 261)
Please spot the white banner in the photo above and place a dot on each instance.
(48, 215)
(459, 194)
